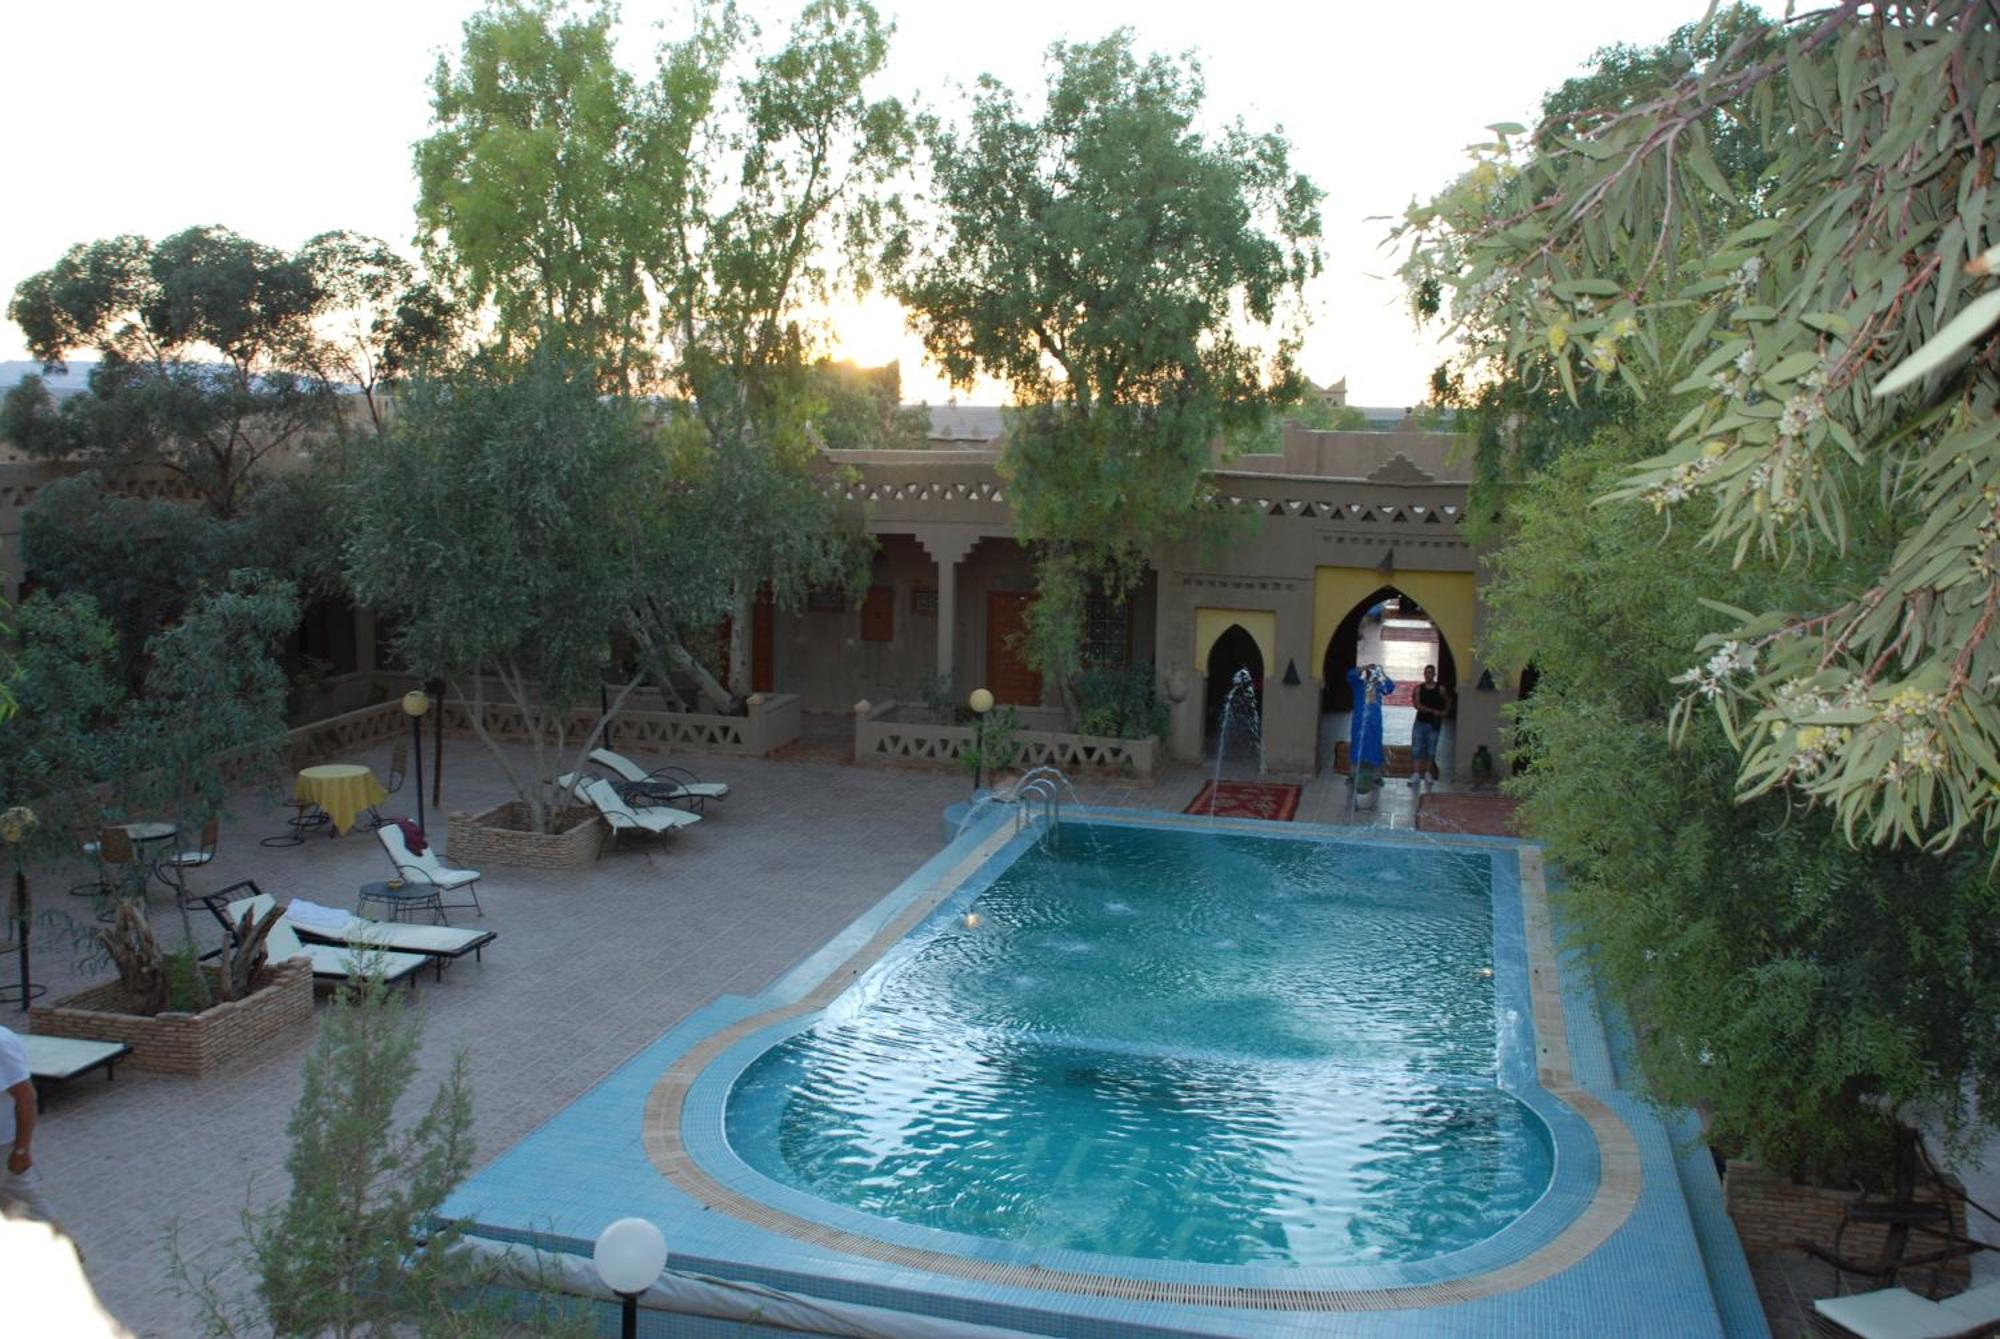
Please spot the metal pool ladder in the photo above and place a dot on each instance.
(1037, 788)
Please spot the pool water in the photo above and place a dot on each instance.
(1174, 1045)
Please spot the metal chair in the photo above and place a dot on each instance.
(172, 869)
(120, 873)
(399, 764)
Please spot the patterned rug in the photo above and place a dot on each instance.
(1392, 633)
(1274, 800)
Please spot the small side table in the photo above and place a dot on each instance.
(404, 902)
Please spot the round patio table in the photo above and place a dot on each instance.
(403, 901)
(143, 834)
(342, 789)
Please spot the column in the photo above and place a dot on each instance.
(948, 546)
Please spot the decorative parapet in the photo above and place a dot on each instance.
(769, 724)
(881, 737)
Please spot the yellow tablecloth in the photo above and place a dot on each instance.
(343, 789)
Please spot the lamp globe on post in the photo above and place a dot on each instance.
(981, 702)
(629, 1256)
(16, 826)
(415, 703)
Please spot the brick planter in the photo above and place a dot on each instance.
(1772, 1213)
(191, 1044)
(499, 836)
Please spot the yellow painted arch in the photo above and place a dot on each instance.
(1210, 624)
(1448, 597)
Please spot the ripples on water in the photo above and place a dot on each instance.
(1183, 1046)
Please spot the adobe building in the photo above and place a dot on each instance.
(1325, 530)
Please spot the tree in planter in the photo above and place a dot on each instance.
(213, 697)
(494, 523)
(1104, 259)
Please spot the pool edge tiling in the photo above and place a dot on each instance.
(1609, 1244)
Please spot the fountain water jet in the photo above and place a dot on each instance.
(1242, 696)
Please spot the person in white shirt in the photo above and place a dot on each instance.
(21, 1187)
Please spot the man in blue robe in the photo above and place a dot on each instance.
(1364, 740)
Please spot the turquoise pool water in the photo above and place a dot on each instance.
(1172, 1045)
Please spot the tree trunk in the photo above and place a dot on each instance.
(739, 645)
(141, 970)
(661, 652)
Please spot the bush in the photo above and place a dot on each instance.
(1120, 703)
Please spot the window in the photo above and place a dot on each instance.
(1107, 633)
(878, 614)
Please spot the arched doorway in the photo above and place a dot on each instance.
(1389, 628)
(1234, 650)
(1403, 620)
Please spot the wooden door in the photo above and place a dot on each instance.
(1007, 674)
(763, 636)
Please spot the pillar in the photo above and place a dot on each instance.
(948, 547)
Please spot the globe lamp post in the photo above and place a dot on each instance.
(629, 1256)
(981, 702)
(415, 703)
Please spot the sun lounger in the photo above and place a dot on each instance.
(330, 962)
(662, 785)
(441, 944)
(623, 818)
(60, 1059)
(1897, 1313)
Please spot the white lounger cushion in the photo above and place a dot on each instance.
(327, 959)
(655, 790)
(425, 866)
(621, 814)
(67, 1057)
(1896, 1313)
(629, 770)
(446, 939)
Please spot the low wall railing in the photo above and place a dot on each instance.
(883, 735)
(771, 721)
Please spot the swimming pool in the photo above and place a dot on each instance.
(1629, 1236)
(1172, 1045)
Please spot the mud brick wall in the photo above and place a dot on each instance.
(189, 1044)
(1775, 1214)
(495, 837)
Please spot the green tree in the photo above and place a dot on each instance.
(674, 231)
(861, 409)
(1105, 259)
(1804, 996)
(357, 1246)
(211, 352)
(67, 678)
(214, 691)
(496, 523)
(1846, 320)
(550, 178)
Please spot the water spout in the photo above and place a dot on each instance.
(1238, 705)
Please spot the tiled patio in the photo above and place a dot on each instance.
(588, 969)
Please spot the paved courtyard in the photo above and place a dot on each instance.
(588, 969)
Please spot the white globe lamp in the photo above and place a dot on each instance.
(629, 1256)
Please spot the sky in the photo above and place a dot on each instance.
(282, 120)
